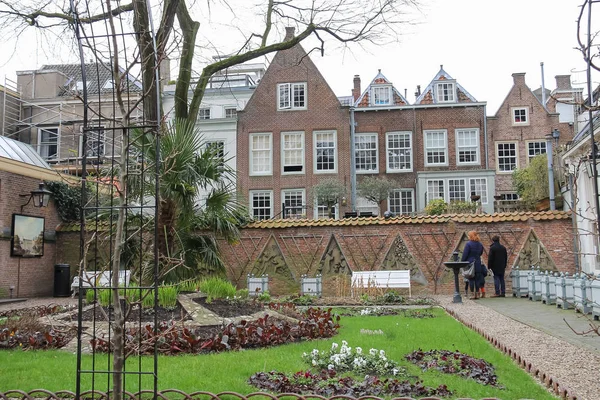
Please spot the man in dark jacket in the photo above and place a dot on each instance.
(497, 258)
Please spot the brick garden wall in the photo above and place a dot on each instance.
(30, 277)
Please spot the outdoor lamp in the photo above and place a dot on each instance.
(40, 197)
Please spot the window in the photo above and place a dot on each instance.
(479, 187)
(457, 190)
(435, 148)
(230, 112)
(204, 113)
(292, 145)
(401, 201)
(322, 211)
(509, 196)
(382, 95)
(325, 151)
(293, 200)
(435, 189)
(520, 116)
(261, 202)
(445, 92)
(260, 154)
(535, 149)
(217, 147)
(506, 156)
(48, 143)
(291, 96)
(95, 142)
(467, 146)
(365, 152)
(399, 151)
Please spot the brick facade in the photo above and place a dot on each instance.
(31, 277)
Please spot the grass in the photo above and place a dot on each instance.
(216, 372)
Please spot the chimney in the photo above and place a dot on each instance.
(418, 92)
(519, 79)
(289, 33)
(563, 82)
(356, 91)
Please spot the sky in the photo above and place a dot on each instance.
(480, 43)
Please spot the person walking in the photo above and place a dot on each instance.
(497, 258)
(472, 253)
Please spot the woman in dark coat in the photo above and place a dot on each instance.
(472, 253)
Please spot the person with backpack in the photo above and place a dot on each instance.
(497, 258)
(472, 253)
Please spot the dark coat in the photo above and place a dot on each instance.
(497, 258)
(472, 252)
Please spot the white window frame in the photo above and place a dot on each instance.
(218, 142)
(444, 191)
(226, 108)
(411, 192)
(377, 92)
(513, 119)
(369, 136)
(289, 103)
(484, 199)
(284, 151)
(446, 96)
(317, 207)
(335, 153)
(57, 143)
(204, 113)
(529, 142)
(459, 148)
(302, 193)
(464, 187)
(389, 150)
(251, 137)
(251, 195)
(496, 149)
(89, 131)
(431, 131)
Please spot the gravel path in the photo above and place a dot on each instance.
(38, 301)
(570, 371)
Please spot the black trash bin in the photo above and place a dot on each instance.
(62, 280)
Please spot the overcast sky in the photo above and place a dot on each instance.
(479, 42)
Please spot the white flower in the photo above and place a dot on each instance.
(304, 354)
(358, 350)
(334, 346)
(330, 367)
(344, 343)
(395, 371)
(315, 352)
(314, 363)
(373, 352)
(381, 353)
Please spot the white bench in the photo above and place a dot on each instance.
(98, 279)
(382, 279)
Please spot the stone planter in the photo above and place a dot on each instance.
(257, 285)
(594, 286)
(564, 291)
(311, 286)
(519, 282)
(579, 294)
(532, 292)
(550, 283)
(537, 288)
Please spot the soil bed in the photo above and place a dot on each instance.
(147, 315)
(230, 309)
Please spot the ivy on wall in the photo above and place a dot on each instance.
(67, 199)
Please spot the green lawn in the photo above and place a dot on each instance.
(55, 370)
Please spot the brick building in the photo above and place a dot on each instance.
(292, 133)
(433, 149)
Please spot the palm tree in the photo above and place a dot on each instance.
(186, 231)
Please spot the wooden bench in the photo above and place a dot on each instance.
(382, 279)
(98, 279)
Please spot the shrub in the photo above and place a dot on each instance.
(217, 288)
(264, 297)
(436, 207)
(462, 207)
(243, 294)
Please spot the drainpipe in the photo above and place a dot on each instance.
(549, 157)
(574, 224)
(485, 137)
(352, 161)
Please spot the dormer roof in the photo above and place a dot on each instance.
(428, 95)
(380, 81)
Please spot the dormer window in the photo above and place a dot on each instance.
(445, 92)
(381, 95)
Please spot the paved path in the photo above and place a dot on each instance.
(548, 319)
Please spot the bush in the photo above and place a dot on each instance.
(264, 297)
(243, 294)
(217, 288)
(436, 207)
(462, 207)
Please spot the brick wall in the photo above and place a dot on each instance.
(30, 277)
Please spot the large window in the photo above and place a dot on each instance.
(535, 149)
(435, 189)
(261, 204)
(48, 143)
(292, 146)
(399, 151)
(479, 187)
(445, 92)
(293, 200)
(457, 190)
(204, 113)
(467, 146)
(520, 116)
(291, 96)
(230, 112)
(402, 201)
(95, 142)
(325, 152)
(381, 95)
(506, 156)
(436, 148)
(260, 154)
(321, 211)
(365, 146)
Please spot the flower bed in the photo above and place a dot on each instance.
(26, 332)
